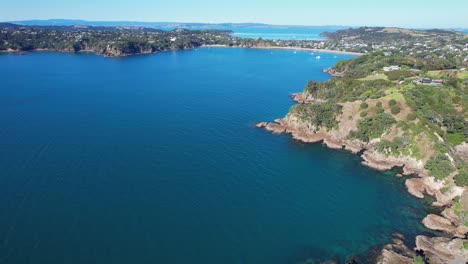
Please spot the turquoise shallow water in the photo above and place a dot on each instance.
(285, 33)
(154, 159)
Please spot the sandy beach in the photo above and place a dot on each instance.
(286, 48)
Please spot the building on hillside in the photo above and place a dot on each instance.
(392, 68)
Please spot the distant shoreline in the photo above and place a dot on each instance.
(203, 46)
(286, 48)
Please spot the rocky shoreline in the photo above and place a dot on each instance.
(447, 249)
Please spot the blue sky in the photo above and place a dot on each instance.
(429, 13)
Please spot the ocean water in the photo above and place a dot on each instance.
(154, 159)
(275, 33)
(285, 33)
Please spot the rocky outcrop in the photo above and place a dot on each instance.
(380, 161)
(302, 98)
(441, 250)
(333, 72)
(443, 224)
(462, 151)
(391, 257)
(436, 250)
(397, 252)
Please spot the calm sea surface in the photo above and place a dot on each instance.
(286, 33)
(154, 159)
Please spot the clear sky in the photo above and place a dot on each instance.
(404, 13)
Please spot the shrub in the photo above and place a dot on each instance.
(395, 110)
(380, 111)
(363, 114)
(392, 102)
(461, 179)
(418, 260)
(411, 117)
(399, 75)
(369, 128)
(455, 138)
(318, 114)
(364, 105)
(439, 166)
(379, 104)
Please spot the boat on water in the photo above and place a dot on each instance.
(318, 57)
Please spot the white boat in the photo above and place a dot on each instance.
(318, 57)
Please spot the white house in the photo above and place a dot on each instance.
(392, 68)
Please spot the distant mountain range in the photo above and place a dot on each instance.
(69, 22)
(174, 25)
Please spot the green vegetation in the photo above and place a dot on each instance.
(347, 89)
(372, 127)
(455, 138)
(366, 66)
(418, 260)
(411, 117)
(318, 114)
(437, 109)
(461, 179)
(400, 75)
(395, 110)
(426, 122)
(439, 166)
(377, 76)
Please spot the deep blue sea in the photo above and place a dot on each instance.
(154, 159)
(284, 33)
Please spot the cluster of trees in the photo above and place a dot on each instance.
(372, 127)
(126, 41)
(437, 108)
(439, 166)
(347, 89)
(319, 115)
(365, 65)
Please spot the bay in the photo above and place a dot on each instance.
(154, 159)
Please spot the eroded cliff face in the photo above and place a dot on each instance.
(439, 250)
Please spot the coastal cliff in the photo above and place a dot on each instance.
(396, 124)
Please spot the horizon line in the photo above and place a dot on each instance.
(220, 23)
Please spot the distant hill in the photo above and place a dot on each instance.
(162, 25)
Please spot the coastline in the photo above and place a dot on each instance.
(111, 55)
(285, 48)
(437, 248)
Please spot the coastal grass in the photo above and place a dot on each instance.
(463, 75)
(418, 260)
(393, 94)
(378, 76)
(438, 74)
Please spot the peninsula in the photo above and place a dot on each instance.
(402, 104)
